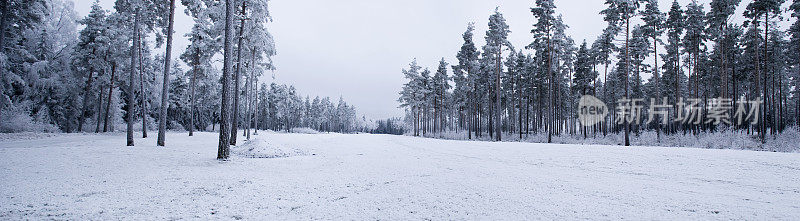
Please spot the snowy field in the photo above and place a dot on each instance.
(334, 176)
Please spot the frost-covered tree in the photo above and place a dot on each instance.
(205, 38)
(413, 94)
(584, 75)
(673, 73)
(620, 12)
(718, 24)
(544, 12)
(440, 88)
(89, 52)
(464, 76)
(654, 28)
(17, 17)
(693, 42)
(496, 38)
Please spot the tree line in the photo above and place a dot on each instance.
(500, 89)
(119, 70)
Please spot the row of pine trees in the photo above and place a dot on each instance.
(690, 51)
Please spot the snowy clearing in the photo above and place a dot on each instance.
(336, 176)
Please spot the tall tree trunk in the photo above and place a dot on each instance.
(131, 81)
(498, 109)
(469, 116)
(519, 107)
(250, 90)
(247, 106)
(605, 96)
(142, 89)
(657, 77)
(764, 105)
(551, 112)
(110, 92)
(677, 84)
(193, 101)
(223, 151)
(527, 115)
(86, 98)
(255, 109)
(627, 69)
(236, 77)
(162, 121)
(99, 112)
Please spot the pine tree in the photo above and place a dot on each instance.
(721, 11)
(93, 44)
(584, 75)
(464, 76)
(673, 74)
(413, 93)
(496, 38)
(440, 89)
(543, 32)
(693, 42)
(603, 47)
(204, 45)
(113, 58)
(622, 11)
(654, 28)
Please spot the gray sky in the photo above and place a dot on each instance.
(356, 49)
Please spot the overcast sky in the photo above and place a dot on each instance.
(356, 49)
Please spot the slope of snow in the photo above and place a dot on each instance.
(336, 176)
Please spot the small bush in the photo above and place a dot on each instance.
(17, 119)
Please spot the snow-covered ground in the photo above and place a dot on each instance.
(335, 176)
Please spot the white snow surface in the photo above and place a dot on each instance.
(338, 176)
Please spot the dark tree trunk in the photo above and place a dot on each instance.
(250, 91)
(498, 109)
(255, 109)
(99, 112)
(627, 69)
(551, 94)
(657, 77)
(162, 120)
(142, 90)
(764, 105)
(110, 92)
(193, 83)
(236, 77)
(223, 151)
(86, 98)
(131, 81)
